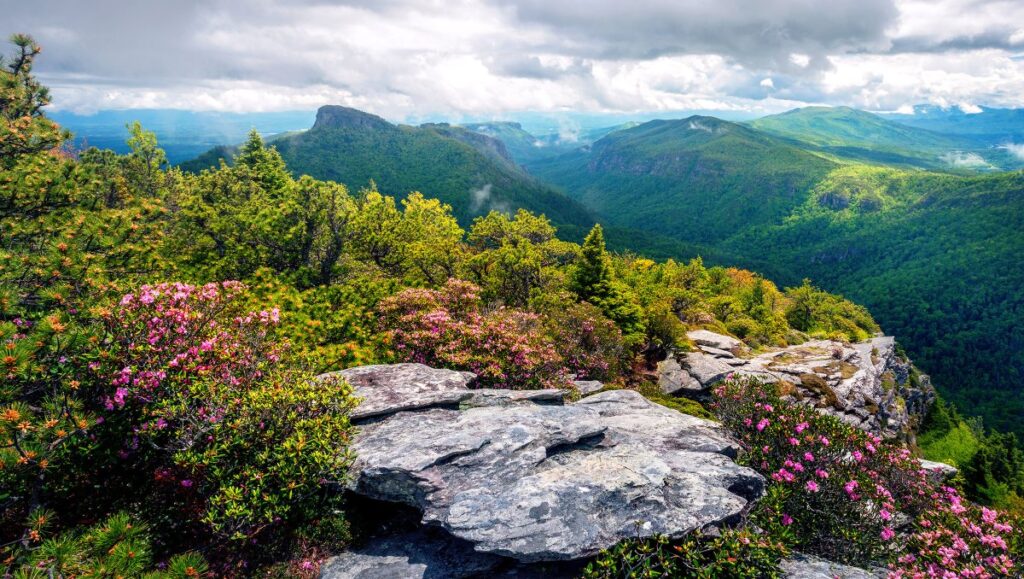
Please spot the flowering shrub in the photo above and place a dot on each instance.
(846, 495)
(738, 554)
(223, 426)
(590, 344)
(505, 348)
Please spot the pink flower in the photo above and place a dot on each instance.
(824, 441)
(812, 486)
(851, 489)
(801, 427)
(763, 424)
(886, 515)
(808, 457)
(887, 534)
(786, 519)
(187, 483)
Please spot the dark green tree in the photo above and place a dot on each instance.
(593, 280)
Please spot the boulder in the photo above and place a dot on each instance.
(939, 470)
(386, 389)
(673, 379)
(547, 482)
(705, 369)
(801, 566)
(713, 340)
(586, 387)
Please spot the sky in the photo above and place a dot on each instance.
(407, 59)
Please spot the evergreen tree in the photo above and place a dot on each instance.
(23, 127)
(593, 280)
(264, 161)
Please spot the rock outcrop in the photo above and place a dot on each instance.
(868, 384)
(801, 566)
(522, 475)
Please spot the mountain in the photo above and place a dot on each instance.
(697, 179)
(999, 131)
(854, 134)
(527, 148)
(471, 172)
(934, 255)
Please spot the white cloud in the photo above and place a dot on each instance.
(1015, 149)
(408, 58)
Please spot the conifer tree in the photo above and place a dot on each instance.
(23, 127)
(593, 281)
(265, 162)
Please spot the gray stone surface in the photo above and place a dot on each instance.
(706, 369)
(385, 389)
(673, 379)
(939, 470)
(867, 385)
(713, 340)
(801, 566)
(587, 386)
(428, 553)
(546, 482)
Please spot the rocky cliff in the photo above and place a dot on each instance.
(869, 384)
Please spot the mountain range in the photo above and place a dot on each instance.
(920, 217)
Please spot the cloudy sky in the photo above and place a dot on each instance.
(408, 58)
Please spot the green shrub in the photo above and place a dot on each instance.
(735, 554)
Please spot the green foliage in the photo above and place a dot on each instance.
(23, 127)
(593, 281)
(118, 547)
(826, 315)
(739, 554)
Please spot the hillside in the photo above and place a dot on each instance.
(859, 135)
(471, 172)
(935, 259)
(698, 179)
(933, 255)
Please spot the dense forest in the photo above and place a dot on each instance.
(163, 331)
(932, 254)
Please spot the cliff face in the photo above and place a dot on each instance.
(868, 384)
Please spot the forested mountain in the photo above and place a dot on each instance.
(934, 255)
(471, 172)
(698, 179)
(858, 135)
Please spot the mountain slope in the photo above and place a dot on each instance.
(471, 172)
(698, 179)
(936, 259)
(854, 134)
(935, 256)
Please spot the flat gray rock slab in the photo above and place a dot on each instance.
(386, 389)
(713, 340)
(939, 470)
(543, 482)
(801, 566)
(586, 387)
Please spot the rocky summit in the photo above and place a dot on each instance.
(527, 476)
(867, 384)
